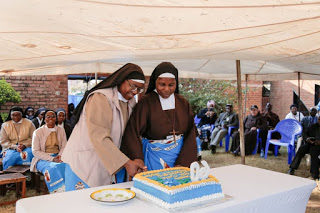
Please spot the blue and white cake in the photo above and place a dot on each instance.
(172, 188)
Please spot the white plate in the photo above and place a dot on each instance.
(112, 196)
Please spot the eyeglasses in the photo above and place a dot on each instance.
(50, 116)
(134, 88)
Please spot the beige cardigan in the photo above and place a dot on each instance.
(39, 144)
(93, 147)
(9, 137)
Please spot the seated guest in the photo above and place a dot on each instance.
(38, 117)
(225, 120)
(208, 116)
(29, 112)
(70, 114)
(312, 146)
(61, 121)
(48, 143)
(272, 120)
(294, 114)
(251, 123)
(307, 121)
(15, 139)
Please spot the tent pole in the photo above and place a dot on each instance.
(96, 73)
(242, 149)
(245, 97)
(299, 103)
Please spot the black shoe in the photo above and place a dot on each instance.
(315, 177)
(204, 146)
(291, 171)
(199, 158)
(235, 153)
(213, 149)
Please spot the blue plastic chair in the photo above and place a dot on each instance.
(289, 129)
(197, 120)
(227, 137)
(259, 141)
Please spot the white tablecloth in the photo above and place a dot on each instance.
(252, 190)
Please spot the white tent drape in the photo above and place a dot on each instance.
(274, 39)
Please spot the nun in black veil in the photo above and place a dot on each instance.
(165, 122)
(92, 153)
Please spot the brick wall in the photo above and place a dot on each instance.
(254, 95)
(39, 91)
(282, 95)
(52, 92)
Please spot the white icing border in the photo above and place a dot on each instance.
(174, 191)
(178, 203)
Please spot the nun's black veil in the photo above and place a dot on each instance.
(115, 79)
(164, 67)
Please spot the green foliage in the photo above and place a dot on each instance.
(7, 93)
(4, 115)
(198, 92)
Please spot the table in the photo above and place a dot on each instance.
(16, 178)
(253, 190)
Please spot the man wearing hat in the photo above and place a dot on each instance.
(225, 120)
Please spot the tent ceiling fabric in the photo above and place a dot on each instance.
(274, 39)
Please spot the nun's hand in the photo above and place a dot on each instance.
(143, 168)
(21, 147)
(133, 167)
(57, 159)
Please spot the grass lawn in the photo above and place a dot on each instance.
(278, 164)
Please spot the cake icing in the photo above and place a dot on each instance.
(173, 187)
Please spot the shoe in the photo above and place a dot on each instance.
(311, 178)
(213, 149)
(204, 146)
(199, 158)
(235, 153)
(291, 171)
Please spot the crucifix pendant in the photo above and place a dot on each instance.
(174, 135)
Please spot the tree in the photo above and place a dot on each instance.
(198, 92)
(8, 94)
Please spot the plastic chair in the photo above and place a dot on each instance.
(259, 141)
(227, 137)
(197, 120)
(289, 129)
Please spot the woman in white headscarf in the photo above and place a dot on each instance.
(48, 143)
(92, 151)
(164, 120)
(15, 138)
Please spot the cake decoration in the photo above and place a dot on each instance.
(178, 186)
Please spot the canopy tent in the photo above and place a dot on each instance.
(274, 39)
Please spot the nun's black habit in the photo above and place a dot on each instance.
(148, 120)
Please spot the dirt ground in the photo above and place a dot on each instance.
(278, 164)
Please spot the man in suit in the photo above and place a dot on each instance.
(311, 146)
(307, 121)
(225, 120)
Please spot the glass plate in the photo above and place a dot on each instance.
(112, 196)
